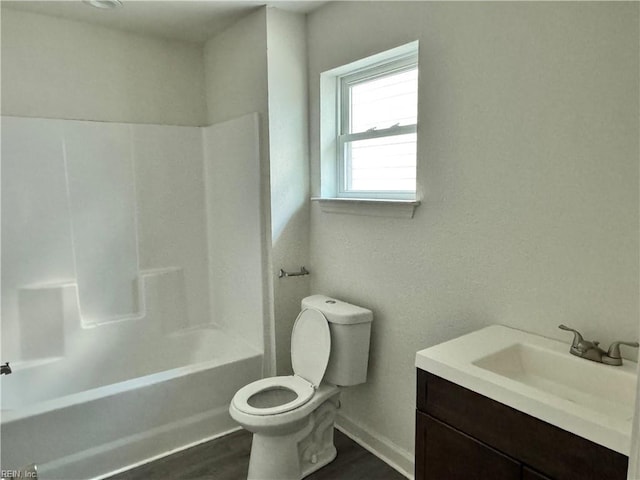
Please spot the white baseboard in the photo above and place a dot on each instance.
(383, 448)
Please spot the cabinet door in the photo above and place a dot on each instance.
(445, 453)
(547, 448)
(529, 474)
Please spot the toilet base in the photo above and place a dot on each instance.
(298, 454)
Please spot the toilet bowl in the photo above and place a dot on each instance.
(292, 417)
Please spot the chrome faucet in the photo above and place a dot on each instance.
(591, 351)
(5, 369)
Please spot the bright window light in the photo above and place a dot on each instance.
(377, 135)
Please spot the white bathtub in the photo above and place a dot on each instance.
(73, 428)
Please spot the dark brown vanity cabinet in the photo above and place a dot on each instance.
(462, 435)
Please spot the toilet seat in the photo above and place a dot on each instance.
(310, 349)
(303, 389)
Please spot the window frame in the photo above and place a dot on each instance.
(389, 66)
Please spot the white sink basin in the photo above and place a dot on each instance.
(538, 376)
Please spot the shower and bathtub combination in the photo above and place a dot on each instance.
(132, 289)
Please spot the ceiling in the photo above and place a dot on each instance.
(187, 20)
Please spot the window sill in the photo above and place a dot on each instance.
(368, 207)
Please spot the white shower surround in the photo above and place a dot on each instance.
(119, 244)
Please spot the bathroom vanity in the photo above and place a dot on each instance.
(504, 404)
(461, 435)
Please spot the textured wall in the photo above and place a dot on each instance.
(235, 63)
(289, 161)
(528, 174)
(56, 68)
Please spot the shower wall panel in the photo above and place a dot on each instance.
(99, 207)
(36, 224)
(235, 229)
(171, 210)
(102, 201)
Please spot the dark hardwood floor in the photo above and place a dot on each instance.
(227, 458)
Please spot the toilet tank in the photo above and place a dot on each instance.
(350, 328)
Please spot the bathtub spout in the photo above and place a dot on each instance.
(5, 369)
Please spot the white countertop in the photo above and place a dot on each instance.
(538, 376)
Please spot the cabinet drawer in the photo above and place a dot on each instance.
(550, 450)
(453, 455)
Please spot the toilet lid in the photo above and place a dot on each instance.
(310, 346)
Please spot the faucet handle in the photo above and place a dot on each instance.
(577, 337)
(564, 327)
(614, 349)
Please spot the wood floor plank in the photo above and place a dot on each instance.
(227, 458)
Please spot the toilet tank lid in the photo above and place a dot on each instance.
(337, 311)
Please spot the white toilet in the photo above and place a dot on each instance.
(292, 417)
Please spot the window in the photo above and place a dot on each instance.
(376, 134)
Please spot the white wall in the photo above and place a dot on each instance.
(528, 174)
(74, 70)
(289, 162)
(235, 63)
